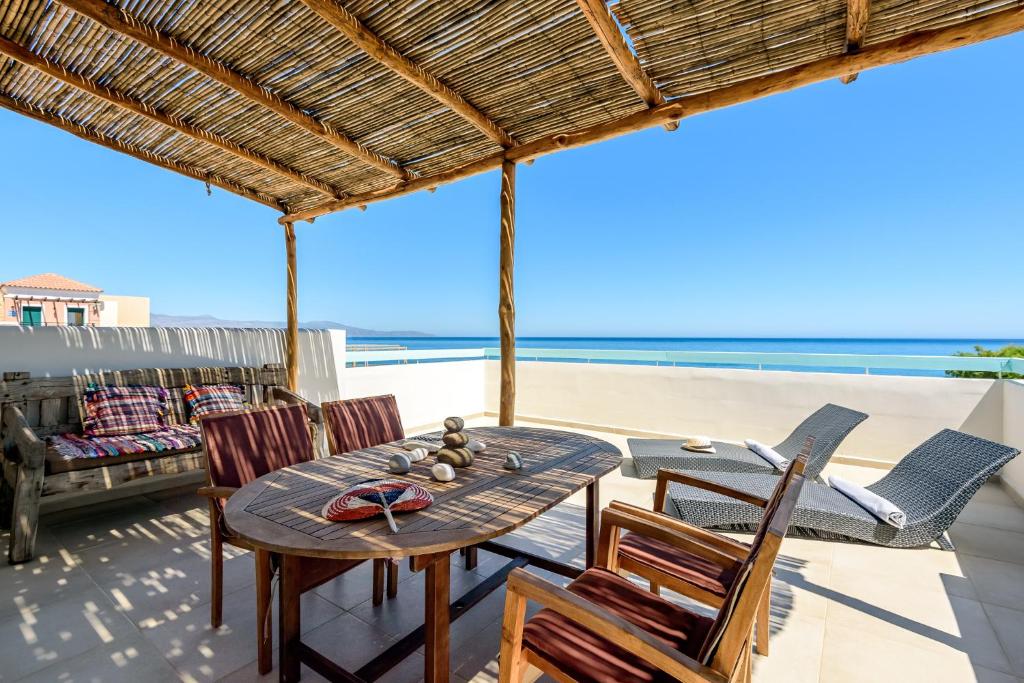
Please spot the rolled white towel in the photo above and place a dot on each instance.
(413, 444)
(476, 446)
(768, 454)
(872, 502)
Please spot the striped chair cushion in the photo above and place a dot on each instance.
(116, 411)
(358, 423)
(586, 656)
(213, 399)
(244, 446)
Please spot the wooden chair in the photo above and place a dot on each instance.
(604, 628)
(239, 448)
(356, 423)
(700, 576)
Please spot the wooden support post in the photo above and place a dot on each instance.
(506, 295)
(292, 335)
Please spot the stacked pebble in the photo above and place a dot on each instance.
(455, 451)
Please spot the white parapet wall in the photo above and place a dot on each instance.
(1013, 435)
(426, 392)
(62, 351)
(736, 404)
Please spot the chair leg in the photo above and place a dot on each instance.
(378, 581)
(216, 576)
(392, 572)
(471, 558)
(742, 673)
(512, 659)
(264, 630)
(763, 622)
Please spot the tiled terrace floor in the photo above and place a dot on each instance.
(120, 592)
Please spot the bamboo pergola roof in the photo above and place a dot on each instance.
(312, 106)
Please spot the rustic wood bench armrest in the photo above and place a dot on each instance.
(608, 625)
(28, 449)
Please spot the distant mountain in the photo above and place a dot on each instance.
(162, 320)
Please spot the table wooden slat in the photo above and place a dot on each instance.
(280, 512)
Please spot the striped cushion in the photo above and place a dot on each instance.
(116, 411)
(358, 423)
(211, 399)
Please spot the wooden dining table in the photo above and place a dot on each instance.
(280, 513)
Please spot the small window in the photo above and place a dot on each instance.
(32, 315)
(76, 317)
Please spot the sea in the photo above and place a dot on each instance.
(899, 347)
(857, 346)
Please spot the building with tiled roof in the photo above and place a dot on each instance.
(50, 299)
(50, 281)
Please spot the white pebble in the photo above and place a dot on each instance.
(443, 472)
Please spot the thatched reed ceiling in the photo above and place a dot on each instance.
(275, 101)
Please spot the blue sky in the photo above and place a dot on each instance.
(890, 207)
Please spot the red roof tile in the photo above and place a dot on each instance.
(50, 281)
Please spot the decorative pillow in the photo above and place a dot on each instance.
(116, 411)
(211, 399)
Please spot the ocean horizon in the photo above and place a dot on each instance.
(841, 345)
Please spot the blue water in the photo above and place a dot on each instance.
(900, 347)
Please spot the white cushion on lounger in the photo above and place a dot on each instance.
(768, 453)
(880, 507)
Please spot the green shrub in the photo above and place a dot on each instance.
(1010, 351)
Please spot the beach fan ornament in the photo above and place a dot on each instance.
(374, 497)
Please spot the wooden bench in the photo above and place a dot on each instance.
(32, 409)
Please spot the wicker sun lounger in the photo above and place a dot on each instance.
(829, 425)
(931, 484)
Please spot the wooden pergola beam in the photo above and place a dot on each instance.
(94, 136)
(30, 59)
(383, 53)
(119, 21)
(893, 51)
(858, 12)
(603, 24)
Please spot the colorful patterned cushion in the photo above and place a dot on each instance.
(173, 438)
(211, 399)
(116, 411)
